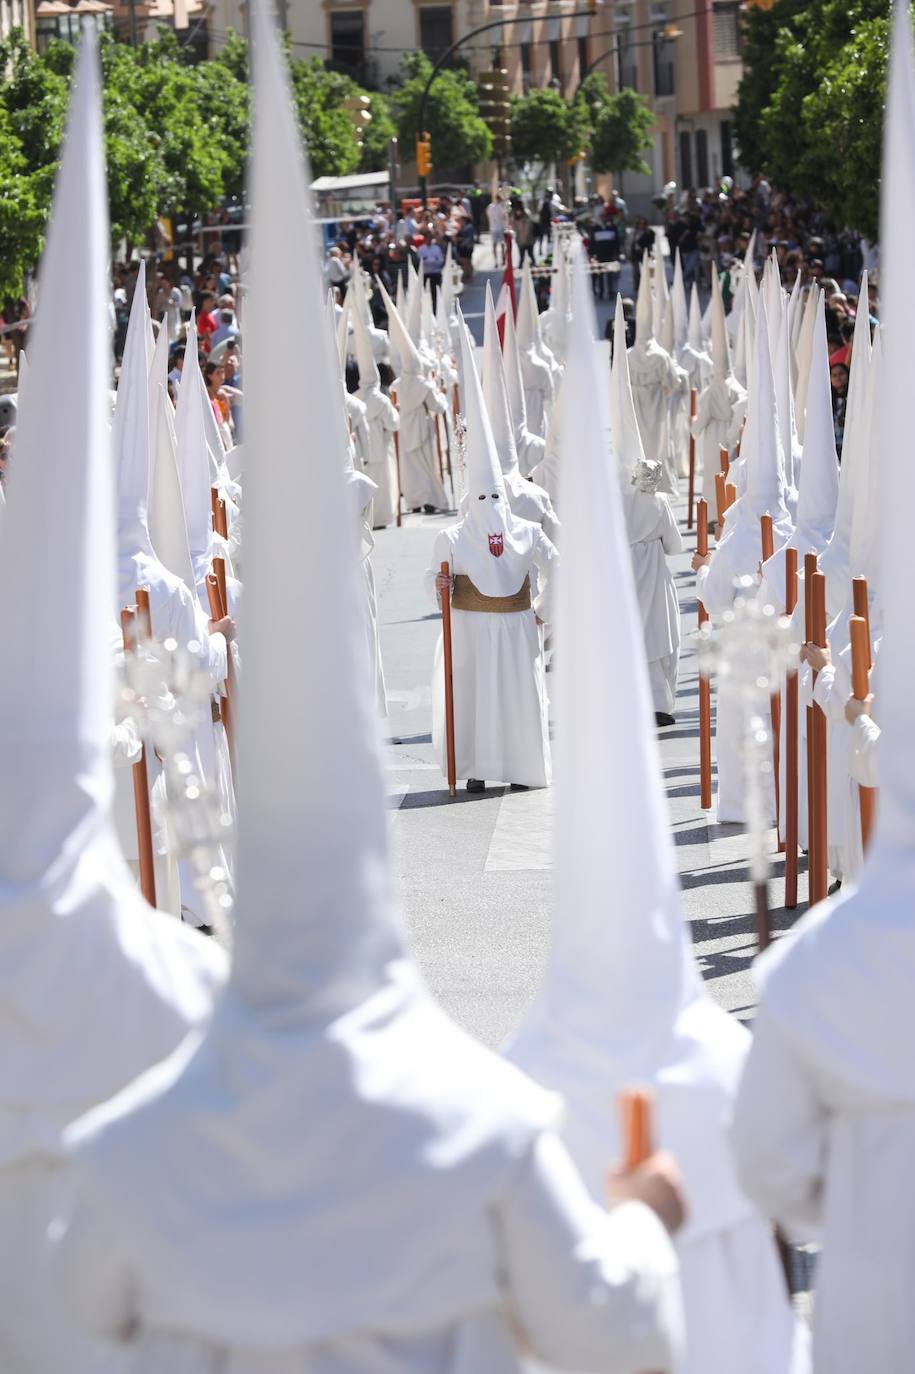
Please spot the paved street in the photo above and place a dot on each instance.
(476, 873)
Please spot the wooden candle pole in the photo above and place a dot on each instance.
(145, 853)
(767, 542)
(720, 503)
(705, 686)
(221, 519)
(447, 656)
(214, 497)
(810, 567)
(397, 460)
(693, 396)
(860, 686)
(438, 445)
(144, 614)
(730, 495)
(635, 1113)
(724, 460)
(862, 608)
(791, 741)
(818, 620)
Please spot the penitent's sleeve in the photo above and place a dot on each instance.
(586, 1288)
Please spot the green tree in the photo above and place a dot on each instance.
(326, 127)
(24, 202)
(815, 82)
(620, 133)
(459, 135)
(546, 128)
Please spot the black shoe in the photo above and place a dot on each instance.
(203, 930)
(476, 785)
(416, 510)
(519, 787)
(662, 718)
(835, 888)
(430, 510)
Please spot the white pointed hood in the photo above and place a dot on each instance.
(94, 987)
(819, 491)
(324, 1004)
(842, 986)
(721, 352)
(627, 438)
(660, 294)
(131, 445)
(834, 561)
(194, 464)
(622, 1001)
(491, 545)
(644, 331)
(495, 396)
(680, 308)
(369, 376)
(694, 333)
(514, 384)
(865, 526)
(533, 351)
(784, 400)
(407, 356)
(167, 520)
(804, 355)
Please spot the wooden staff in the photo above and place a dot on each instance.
(141, 784)
(635, 1115)
(818, 624)
(438, 445)
(214, 497)
(218, 612)
(705, 686)
(724, 460)
(456, 402)
(692, 459)
(445, 598)
(791, 740)
(862, 608)
(860, 686)
(767, 541)
(144, 613)
(730, 495)
(721, 501)
(221, 520)
(397, 459)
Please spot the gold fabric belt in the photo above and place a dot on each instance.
(465, 597)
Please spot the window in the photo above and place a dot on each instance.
(525, 49)
(702, 157)
(726, 30)
(727, 149)
(582, 56)
(436, 30)
(555, 62)
(64, 26)
(347, 38)
(686, 160)
(663, 54)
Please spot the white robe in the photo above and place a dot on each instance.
(653, 533)
(655, 380)
(381, 464)
(833, 1162)
(419, 401)
(541, 1265)
(539, 390)
(501, 711)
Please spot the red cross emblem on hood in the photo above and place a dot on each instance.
(496, 545)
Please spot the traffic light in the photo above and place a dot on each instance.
(494, 100)
(424, 155)
(360, 114)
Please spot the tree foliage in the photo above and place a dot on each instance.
(176, 134)
(620, 125)
(459, 135)
(547, 128)
(810, 104)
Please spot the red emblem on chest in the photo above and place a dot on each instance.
(496, 545)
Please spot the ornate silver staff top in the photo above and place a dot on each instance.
(751, 648)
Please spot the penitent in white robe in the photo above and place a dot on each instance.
(382, 421)
(501, 711)
(655, 379)
(419, 401)
(653, 534)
